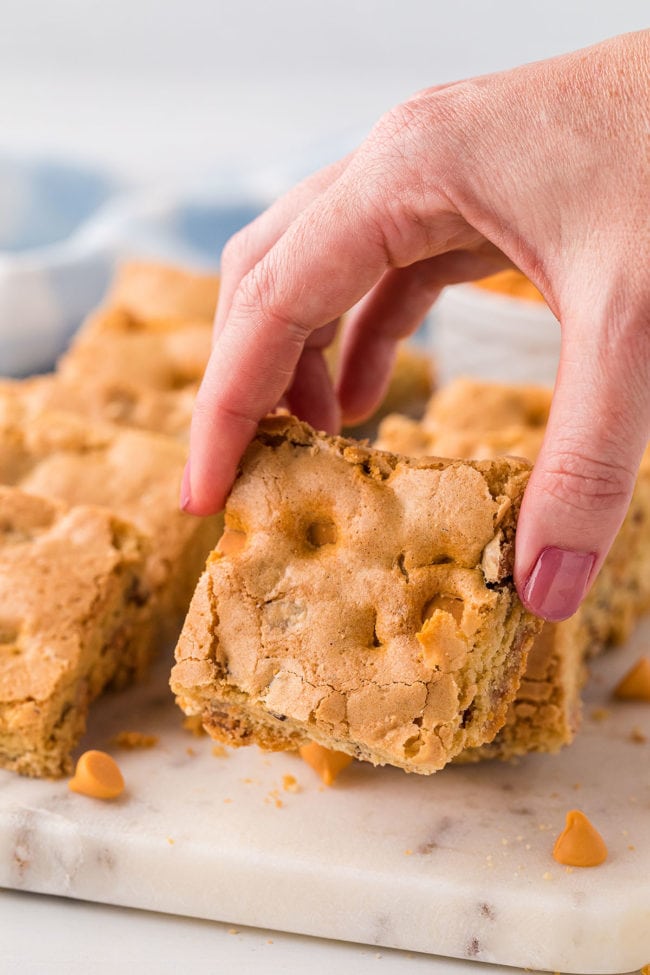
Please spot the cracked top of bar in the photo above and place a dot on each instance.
(360, 599)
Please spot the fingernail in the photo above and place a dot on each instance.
(186, 489)
(557, 583)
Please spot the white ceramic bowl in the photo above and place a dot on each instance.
(475, 332)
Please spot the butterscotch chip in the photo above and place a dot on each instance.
(579, 844)
(323, 635)
(97, 775)
(70, 623)
(327, 763)
(231, 542)
(635, 685)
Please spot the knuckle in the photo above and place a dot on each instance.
(587, 483)
(259, 295)
(206, 409)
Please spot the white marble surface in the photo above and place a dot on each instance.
(201, 835)
(170, 93)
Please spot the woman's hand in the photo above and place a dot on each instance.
(545, 167)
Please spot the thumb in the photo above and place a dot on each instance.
(582, 482)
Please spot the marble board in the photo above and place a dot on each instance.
(457, 864)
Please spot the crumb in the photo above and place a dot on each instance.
(600, 714)
(577, 785)
(233, 931)
(194, 724)
(637, 736)
(219, 751)
(504, 841)
(190, 752)
(408, 853)
(270, 941)
(134, 739)
(170, 841)
(227, 800)
(290, 783)
(547, 876)
(274, 797)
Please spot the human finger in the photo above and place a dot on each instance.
(394, 309)
(249, 245)
(583, 479)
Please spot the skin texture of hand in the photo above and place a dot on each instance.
(545, 167)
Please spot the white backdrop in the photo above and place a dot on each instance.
(165, 90)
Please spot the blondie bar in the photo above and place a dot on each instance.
(134, 473)
(73, 618)
(128, 370)
(474, 419)
(358, 599)
(150, 289)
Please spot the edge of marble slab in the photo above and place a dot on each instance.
(48, 850)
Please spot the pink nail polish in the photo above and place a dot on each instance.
(557, 583)
(186, 489)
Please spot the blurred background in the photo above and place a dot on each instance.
(158, 127)
(170, 90)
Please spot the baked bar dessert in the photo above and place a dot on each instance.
(128, 370)
(139, 360)
(359, 599)
(474, 419)
(134, 473)
(73, 618)
(150, 289)
(481, 407)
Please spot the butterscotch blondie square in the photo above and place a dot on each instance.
(73, 619)
(151, 289)
(138, 360)
(134, 473)
(359, 599)
(129, 370)
(474, 419)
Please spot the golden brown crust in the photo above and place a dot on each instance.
(124, 369)
(134, 473)
(72, 619)
(150, 289)
(481, 407)
(470, 418)
(371, 607)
